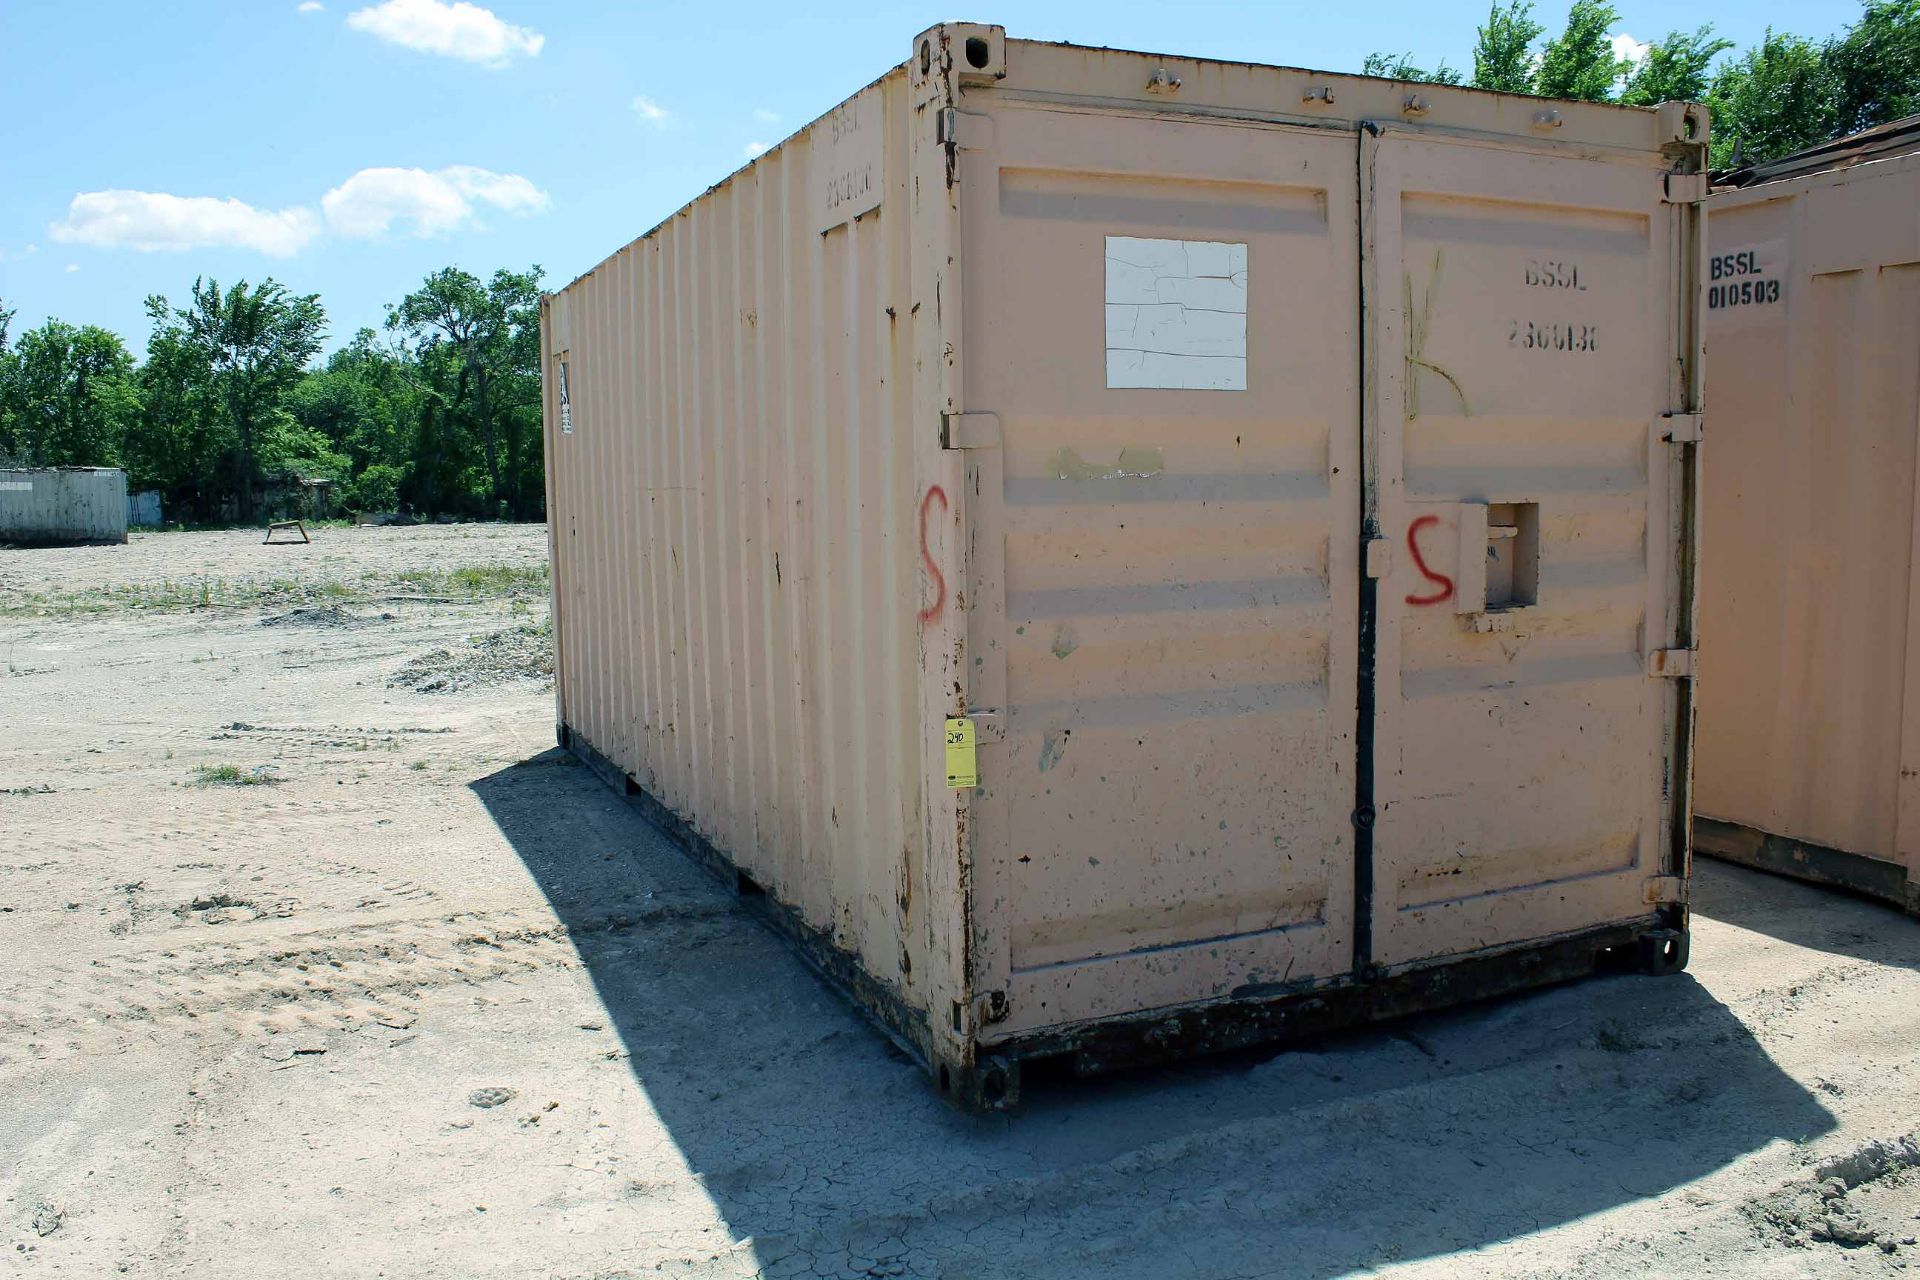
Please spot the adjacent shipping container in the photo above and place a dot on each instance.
(51, 505)
(1810, 702)
(1125, 555)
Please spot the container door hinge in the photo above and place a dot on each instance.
(1680, 428)
(1661, 890)
(1670, 662)
(969, 431)
(1686, 188)
(1378, 565)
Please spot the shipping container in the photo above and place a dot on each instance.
(46, 506)
(1809, 742)
(1123, 556)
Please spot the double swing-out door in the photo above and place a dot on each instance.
(1317, 562)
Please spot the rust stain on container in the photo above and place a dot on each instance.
(1079, 405)
(1809, 741)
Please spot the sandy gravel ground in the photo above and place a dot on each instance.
(316, 959)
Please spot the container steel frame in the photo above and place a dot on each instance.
(972, 1061)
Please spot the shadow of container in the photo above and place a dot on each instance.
(825, 1153)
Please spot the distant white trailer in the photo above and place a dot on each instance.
(42, 506)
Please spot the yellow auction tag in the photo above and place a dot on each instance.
(963, 769)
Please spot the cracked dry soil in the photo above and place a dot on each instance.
(437, 1003)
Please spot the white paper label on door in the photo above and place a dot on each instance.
(1176, 314)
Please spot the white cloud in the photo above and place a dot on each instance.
(370, 203)
(72, 267)
(1625, 46)
(457, 30)
(374, 201)
(650, 111)
(32, 249)
(755, 148)
(151, 221)
(765, 116)
(309, 6)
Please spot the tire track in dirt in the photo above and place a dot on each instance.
(341, 977)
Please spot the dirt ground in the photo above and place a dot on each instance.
(317, 959)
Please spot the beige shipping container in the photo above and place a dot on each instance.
(1125, 555)
(1809, 757)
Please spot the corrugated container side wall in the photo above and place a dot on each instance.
(66, 504)
(732, 508)
(1810, 694)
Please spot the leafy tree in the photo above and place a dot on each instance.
(1774, 99)
(525, 406)
(1580, 63)
(483, 330)
(70, 393)
(181, 440)
(377, 488)
(1502, 55)
(1875, 66)
(358, 402)
(443, 419)
(443, 474)
(1399, 66)
(254, 344)
(291, 452)
(1676, 69)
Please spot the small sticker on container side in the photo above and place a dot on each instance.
(963, 769)
(566, 399)
(16, 486)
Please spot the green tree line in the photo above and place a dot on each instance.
(229, 412)
(1783, 94)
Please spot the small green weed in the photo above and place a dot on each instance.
(230, 775)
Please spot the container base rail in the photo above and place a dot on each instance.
(1275, 1017)
(1764, 851)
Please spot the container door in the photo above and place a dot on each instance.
(1522, 340)
(1163, 592)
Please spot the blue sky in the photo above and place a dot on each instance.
(352, 146)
